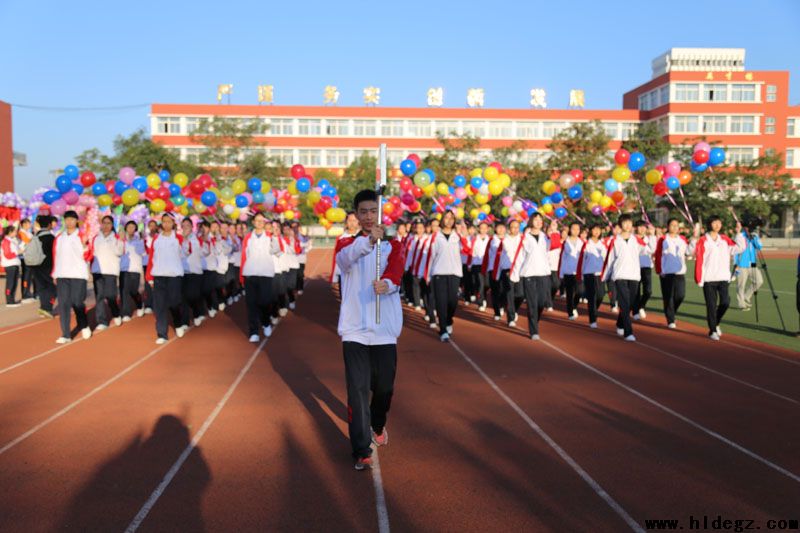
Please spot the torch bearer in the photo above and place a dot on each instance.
(380, 185)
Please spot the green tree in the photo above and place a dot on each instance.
(257, 164)
(227, 142)
(648, 140)
(584, 145)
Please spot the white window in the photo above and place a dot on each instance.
(168, 125)
(769, 125)
(743, 124)
(396, 156)
(715, 92)
(687, 92)
(743, 92)
(476, 129)
(193, 155)
(529, 130)
(653, 99)
(551, 129)
(311, 158)
(192, 123)
(365, 128)
(500, 130)
(447, 127)
(789, 158)
(281, 126)
(628, 129)
(790, 127)
(420, 128)
(741, 155)
(337, 158)
(391, 128)
(713, 124)
(284, 155)
(664, 94)
(337, 127)
(611, 129)
(309, 126)
(772, 93)
(686, 124)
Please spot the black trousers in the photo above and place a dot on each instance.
(258, 297)
(194, 303)
(537, 291)
(368, 369)
(12, 280)
(428, 298)
(301, 277)
(210, 285)
(673, 288)
(508, 293)
(645, 290)
(71, 294)
(291, 284)
(45, 288)
(517, 297)
(717, 302)
(167, 301)
(612, 295)
(105, 294)
(148, 296)
(466, 282)
(129, 289)
(571, 287)
(555, 284)
(445, 289)
(479, 283)
(232, 285)
(497, 298)
(594, 294)
(27, 281)
(279, 293)
(626, 292)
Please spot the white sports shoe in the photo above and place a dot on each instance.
(118, 321)
(642, 313)
(300, 292)
(161, 340)
(433, 325)
(283, 312)
(630, 338)
(444, 337)
(63, 340)
(512, 324)
(148, 311)
(549, 309)
(274, 321)
(221, 307)
(449, 330)
(229, 301)
(197, 321)
(254, 338)
(497, 317)
(714, 337)
(267, 331)
(86, 333)
(535, 337)
(571, 317)
(575, 313)
(292, 306)
(101, 327)
(212, 313)
(719, 331)
(672, 325)
(593, 325)
(502, 312)
(126, 319)
(620, 332)
(181, 331)
(615, 309)
(140, 313)
(637, 316)
(472, 298)
(482, 307)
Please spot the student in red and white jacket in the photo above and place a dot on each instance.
(194, 304)
(712, 271)
(71, 273)
(512, 256)
(590, 267)
(351, 229)
(446, 271)
(480, 282)
(306, 245)
(672, 250)
(568, 267)
(646, 233)
(259, 249)
(292, 249)
(423, 273)
(534, 272)
(554, 234)
(412, 249)
(622, 268)
(467, 290)
(11, 263)
(492, 268)
(152, 230)
(165, 275)
(131, 271)
(369, 345)
(105, 250)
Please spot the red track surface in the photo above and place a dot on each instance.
(89, 430)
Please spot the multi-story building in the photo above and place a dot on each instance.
(693, 92)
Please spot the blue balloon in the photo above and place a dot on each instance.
(716, 156)
(179, 199)
(673, 183)
(611, 185)
(51, 196)
(71, 172)
(460, 181)
(557, 197)
(63, 184)
(120, 187)
(561, 212)
(241, 201)
(323, 183)
(174, 189)
(78, 188)
(481, 216)
(208, 198)
(98, 189)
(636, 161)
(304, 184)
(140, 184)
(546, 200)
(575, 192)
(164, 175)
(258, 197)
(430, 173)
(408, 167)
(698, 168)
(254, 184)
(476, 182)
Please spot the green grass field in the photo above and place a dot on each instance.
(768, 327)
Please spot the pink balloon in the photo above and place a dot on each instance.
(702, 146)
(673, 168)
(461, 193)
(59, 207)
(127, 175)
(508, 201)
(71, 197)
(87, 200)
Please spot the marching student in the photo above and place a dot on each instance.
(131, 271)
(306, 245)
(413, 250)
(292, 251)
(612, 289)
(478, 251)
(423, 273)
(645, 290)
(492, 269)
(622, 269)
(279, 284)
(11, 263)
(165, 275)
(670, 262)
(194, 303)
(369, 346)
(43, 271)
(534, 272)
(259, 249)
(590, 267)
(553, 254)
(467, 290)
(24, 236)
(71, 273)
(221, 249)
(209, 253)
(568, 267)
(232, 285)
(712, 271)
(105, 252)
(446, 272)
(351, 229)
(152, 231)
(512, 248)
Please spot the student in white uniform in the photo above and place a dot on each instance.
(259, 249)
(492, 269)
(480, 283)
(672, 250)
(534, 272)
(105, 251)
(512, 250)
(590, 267)
(413, 250)
(446, 272)
(131, 271)
(165, 274)
(10, 259)
(279, 283)
(194, 306)
(71, 274)
(424, 274)
(645, 290)
(568, 267)
(292, 249)
(306, 245)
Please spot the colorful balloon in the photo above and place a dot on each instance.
(407, 167)
(636, 161)
(716, 156)
(622, 156)
(621, 173)
(653, 176)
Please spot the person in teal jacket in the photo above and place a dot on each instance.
(748, 276)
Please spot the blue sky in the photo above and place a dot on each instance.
(90, 53)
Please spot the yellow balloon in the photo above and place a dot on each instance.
(495, 187)
(199, 207)
(226, 193)
(486, 208)
(130, 197)
(265, 187)
(238, 186)
(236, 213)
(546, 208)
(288, 215)
(430, 190)
(185, 210)
(157, 205)
(606, 201)
(505, 179)
(442, 188)
(549, 187)
(621, 173)
(438, 216)
(153, 181)
(459, 213)
(475, 173)
(314, 197)
(481, 198)
(180, 179)
(653, 176)
(595, 196)
(292, 187)
(104, 200)
(504, 210)
(422, 179)
(474, 212)
(491, 174)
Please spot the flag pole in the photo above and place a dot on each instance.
(381, 185)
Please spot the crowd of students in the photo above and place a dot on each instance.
(183, 275)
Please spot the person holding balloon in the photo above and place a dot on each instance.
(106, 251)
(131, 271)
(71, 274)
(446, 272)
(165, 276)
(589, 269)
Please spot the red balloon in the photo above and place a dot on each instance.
(577, 174)
(395, 200)
(622, 156)
(311, 181)
(88, 179)
(406, 183)
(417, 192)
(206, 180)
(415, 158)
(197, 186)
(117, 199)
(661, 168)
(163, 193)
(151, 194)
(110, 186)
(319, 209)
(169, 205)
(618, 197)
(298, 171)
(660, 188)
(496, 165)
(700, 157)
(211, 211)
(448, 199)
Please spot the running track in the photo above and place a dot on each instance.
(493, 432)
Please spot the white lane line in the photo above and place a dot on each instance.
(696, 425)
(80, 400)
(35, 357)
(24, 326)
(380, 497)
(721, 374)
(600, 491)
(772, 355)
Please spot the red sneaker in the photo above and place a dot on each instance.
(380, 439)
(362, 463)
